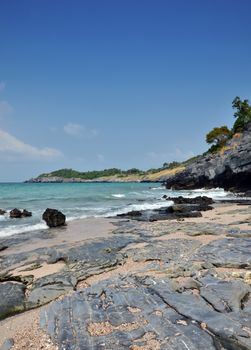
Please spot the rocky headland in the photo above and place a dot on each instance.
(230, 168)
(176, 283)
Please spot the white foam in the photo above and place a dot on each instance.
(215, 193)
(12, 230)
(145, 206)
(118, 195)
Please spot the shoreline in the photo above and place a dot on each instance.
(89, 253)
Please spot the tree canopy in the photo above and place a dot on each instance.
(218, 135)
(242, 114)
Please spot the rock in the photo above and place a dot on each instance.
(2, 212)
(177, 211)
(26, 213)
(229, 169)
(48, 288)
(12, 298)
(222, 295)
(53, 217)
(226, 252)
(131, 213)
(15, 213)
(200, 200)
(142, 313)
(7, 345)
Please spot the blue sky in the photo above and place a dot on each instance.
(116, 83)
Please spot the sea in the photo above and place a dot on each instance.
(84, 200)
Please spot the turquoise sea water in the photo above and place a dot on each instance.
(81, 200)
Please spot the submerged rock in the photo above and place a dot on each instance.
(53, 217)
(2, 212)
(200, 200)
(26, 213)
(17, 213)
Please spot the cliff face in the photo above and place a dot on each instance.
(229, 169)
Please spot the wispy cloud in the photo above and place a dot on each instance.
(78, 130)
(2, 86)
(10, 147)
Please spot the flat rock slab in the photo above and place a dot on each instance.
(224, 296)
(226, 252)
(12, 298)
(141, 313)
(166, 251)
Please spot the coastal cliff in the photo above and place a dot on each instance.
(229, 168)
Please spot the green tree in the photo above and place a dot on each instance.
(218, 136)
(242, 114)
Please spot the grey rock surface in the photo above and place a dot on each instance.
(128, 312)
(12, 298)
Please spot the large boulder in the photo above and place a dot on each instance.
(53, 217)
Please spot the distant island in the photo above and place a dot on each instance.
(112, 175)
(226, 164)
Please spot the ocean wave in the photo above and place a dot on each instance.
(131, 207)
(215, 193)
(118, 195)
(12, 230)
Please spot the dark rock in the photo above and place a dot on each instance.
(53, 217)
(12, 298)
(230, 169)
(131, 213)
(200, 200)
(15, 213)
(7, 345)
(26, 213)
(167, 213)
(2, 212)
(3, 247)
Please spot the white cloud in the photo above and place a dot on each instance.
(5, 108)
(73, 129)
(78, 130)
(2, 86)
(10, 147)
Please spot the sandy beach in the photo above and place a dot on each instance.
(26, 330)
